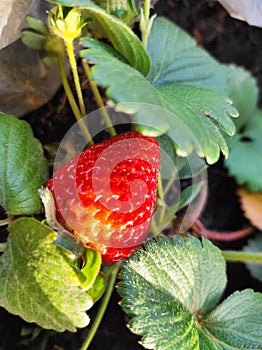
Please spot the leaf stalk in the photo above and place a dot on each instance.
(73, 64)
(112, 275)
(146, 22)
(239, 256)
(72, 101)
(5, 222)
(98, 98)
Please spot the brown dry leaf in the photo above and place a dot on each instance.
(251, 203)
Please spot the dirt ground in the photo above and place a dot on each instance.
(228, 40)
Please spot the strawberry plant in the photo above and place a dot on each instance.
(166, 110)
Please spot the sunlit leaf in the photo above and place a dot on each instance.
(166, 285)
(192, 117)
(170, 290)
(37, 280)
(91, 267)
(203, 113)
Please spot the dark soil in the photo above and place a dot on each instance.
(230, 41)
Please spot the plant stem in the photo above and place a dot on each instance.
(160, 191)
(221, 236)
(98, 98)
(5, 222)
(110, 287)
(146, 22)
(239, 256)
(169, 184)
(147, 10)
(72, 101)
(72, 60)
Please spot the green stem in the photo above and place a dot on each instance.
(163, 192)
(5, 222)
(239, 256)
(147, 10)
(72, 101)
(98, 98)
(60, 11)
(169, 184)
(146, 22)
(103, 306)
(72, 60)
(160, 191)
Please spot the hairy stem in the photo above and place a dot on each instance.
(72, 60)
(110, 287)
(98, 98)
(146, 22)
(147, 10)
(72, 101)
(5, 222)
(239, 256)
(160, 190)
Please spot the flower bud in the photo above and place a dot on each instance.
(68, 27)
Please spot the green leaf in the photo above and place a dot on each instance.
(190, 166)
(125, 85)
(121, 36)
(255, 246)
(235, 324)
(23, 168)
(91, 267)
(189, 194)
(245, 157)
(72, 3)
(33, 40)
(110, 70)
(37, 281)
(175, 58)
(167, 147)
(203, 113)
(171, 288)
(126, 10)
(69, 243)
(165, 287)
(243, 92)
(191, 116)
(185, 167)
(37, 25)
(98, 287)
(173, 202)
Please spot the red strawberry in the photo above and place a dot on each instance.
(107, 194)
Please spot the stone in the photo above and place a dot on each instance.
(26, 83)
